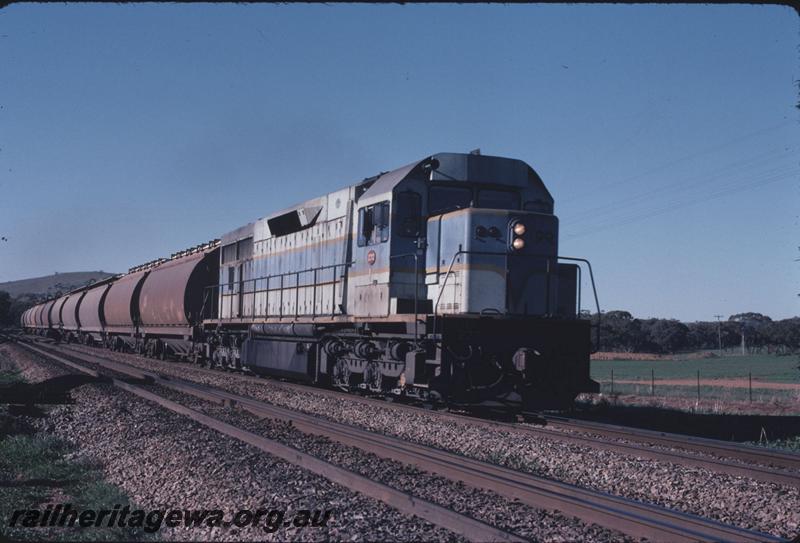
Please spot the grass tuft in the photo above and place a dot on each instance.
(37, 457)
(41, 474)
(10, 376)
(789, 444)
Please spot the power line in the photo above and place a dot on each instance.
(684, 158)
(677, 205)
(688, 184)
(690, 198)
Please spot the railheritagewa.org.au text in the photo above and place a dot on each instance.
(270, 520)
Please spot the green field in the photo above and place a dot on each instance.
(781, 369)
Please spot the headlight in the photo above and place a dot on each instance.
(519, 229)
(518, 243)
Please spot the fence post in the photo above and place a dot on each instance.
(612, 380)
(698, 385)
(750, 385)
(652, 382)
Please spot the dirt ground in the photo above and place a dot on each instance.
(649, 356)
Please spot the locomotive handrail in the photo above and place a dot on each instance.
(596, 301)
(548, 272)
(416, 292)
(239, 290)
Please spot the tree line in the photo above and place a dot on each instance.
(12, 308)
(622, 332)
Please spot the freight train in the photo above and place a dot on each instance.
(440, 280)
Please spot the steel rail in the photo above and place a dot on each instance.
(634, 518)
(720, 463)
(472, 529)
(750, 453)
(715, 464)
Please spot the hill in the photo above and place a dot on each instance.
(49, 285)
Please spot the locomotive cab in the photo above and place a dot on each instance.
(503, 309)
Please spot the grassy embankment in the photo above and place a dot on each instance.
(37, 469)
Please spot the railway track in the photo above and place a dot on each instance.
(719, 456)
(746, 453)
(471, 529)
(634, 518)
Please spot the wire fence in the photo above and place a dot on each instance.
(733, 388)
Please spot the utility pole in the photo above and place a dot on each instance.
(719, 333)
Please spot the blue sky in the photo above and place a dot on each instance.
(666, 134)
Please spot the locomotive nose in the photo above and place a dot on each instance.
(534, 232)
(532, 253)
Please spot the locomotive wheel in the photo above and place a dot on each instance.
(373, 377)
(341, 374)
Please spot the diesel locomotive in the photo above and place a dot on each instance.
(440, 280)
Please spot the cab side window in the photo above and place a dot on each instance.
(408, 207)
(373, 224)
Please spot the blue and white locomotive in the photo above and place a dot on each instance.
(438, 280)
